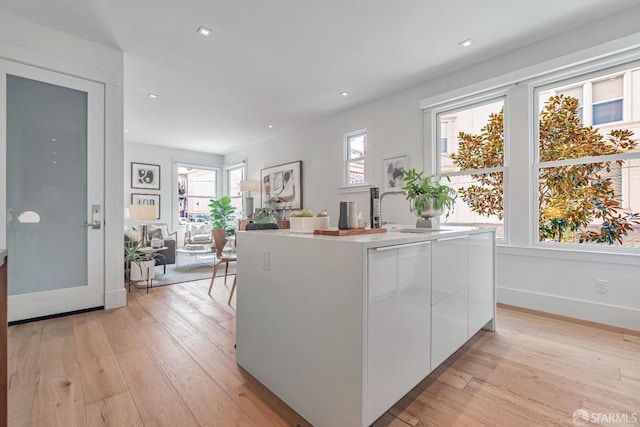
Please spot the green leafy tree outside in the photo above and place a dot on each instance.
(571, 197)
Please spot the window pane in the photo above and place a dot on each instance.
(234, 177)
(198, 187)
(356, 172)
(607, 112)
(475, 137)
(357, 146)
(479, 202)
(592, 203)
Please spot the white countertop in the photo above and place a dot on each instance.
(391, 237)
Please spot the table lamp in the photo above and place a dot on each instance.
(142, 214)
(247, 187)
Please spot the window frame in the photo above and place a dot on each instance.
(553, 80)
(348, 160)
(178, 165)
(433, 146)
(227, 183)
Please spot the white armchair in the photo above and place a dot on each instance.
(198, 234)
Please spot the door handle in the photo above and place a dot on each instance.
(95, 218)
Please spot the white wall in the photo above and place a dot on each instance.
(561, 282)
(43, 47)
(166, 158)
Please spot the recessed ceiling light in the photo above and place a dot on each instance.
(126, 130)
(204, 31)
(344, 93)
(270, 126)
(153, 95)
(465, 43)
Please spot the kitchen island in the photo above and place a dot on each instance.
(340, 328)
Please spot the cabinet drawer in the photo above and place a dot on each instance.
(450, 267)
(449, 326)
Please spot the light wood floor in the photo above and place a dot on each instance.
(167, 359)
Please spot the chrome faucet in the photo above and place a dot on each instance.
(388, 193)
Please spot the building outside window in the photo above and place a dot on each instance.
(355, 158)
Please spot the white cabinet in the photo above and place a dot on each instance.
(481, 281)
(449, 297)
(398, 323)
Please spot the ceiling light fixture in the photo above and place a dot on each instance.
(126, 130)
(153, 95)
(344, 93)
(270, 126)
(465, 43)
(204, 31)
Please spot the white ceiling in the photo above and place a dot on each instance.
(284, 62)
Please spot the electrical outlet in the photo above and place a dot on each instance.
(266, 260)
(602, 286)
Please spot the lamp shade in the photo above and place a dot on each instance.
(142, 212)
(249, 185)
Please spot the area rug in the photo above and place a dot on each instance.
(188, 271)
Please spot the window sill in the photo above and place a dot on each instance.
(360, 188)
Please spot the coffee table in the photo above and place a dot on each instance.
(197, 251)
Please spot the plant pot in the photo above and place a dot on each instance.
(431, 209)
(140, 270)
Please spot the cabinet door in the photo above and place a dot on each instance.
(450, 267)
(398, 324)
(481, 281)
(449, 326)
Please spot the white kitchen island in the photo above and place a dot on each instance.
(340, 328)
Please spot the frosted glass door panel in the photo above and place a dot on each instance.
(46, 186)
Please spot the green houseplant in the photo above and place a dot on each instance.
(222, 214)
(429, 198)
(138, 262)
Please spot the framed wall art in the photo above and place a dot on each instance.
(394, 172)
(282, 185)
(145, 176)
(147, 199)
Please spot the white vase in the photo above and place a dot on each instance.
(140, 270)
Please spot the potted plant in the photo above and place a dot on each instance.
(428, 197)
(222, 214)
(140, 264)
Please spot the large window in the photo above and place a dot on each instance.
(196, 186)
(471, 155)
(588, 163)
(355, 158)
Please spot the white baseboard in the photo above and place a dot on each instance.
(115, 298)
(623, 317)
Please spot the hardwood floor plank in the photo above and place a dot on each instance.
(58, 400)
(157, 401)
(122, 329)
(99, 370)
(113, 411)
(23, 371)
(207, 401)
(60, 327)
(388, 420)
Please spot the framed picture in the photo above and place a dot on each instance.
(147, 199)
(282, 185)
(145, 176)
(394, 172)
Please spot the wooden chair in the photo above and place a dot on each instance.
(220, 241)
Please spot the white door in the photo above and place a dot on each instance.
(52, 149)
